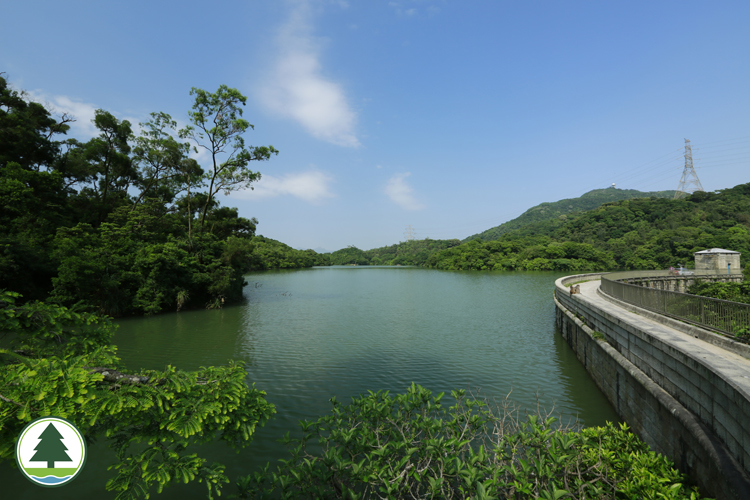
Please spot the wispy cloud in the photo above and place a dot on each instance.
(399, 191)
(312, 186)
(405, 11)
(297, 88)
(82, 112)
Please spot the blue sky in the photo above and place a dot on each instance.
(449, 116)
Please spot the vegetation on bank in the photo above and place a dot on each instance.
(653, 232)
(642, 233)
(411, 446)
(406, 253)
(562, 209)
(272, 254)
(127, 224)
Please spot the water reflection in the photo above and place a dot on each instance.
(312, 334)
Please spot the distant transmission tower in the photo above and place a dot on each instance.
(409, 233)
(689, 177)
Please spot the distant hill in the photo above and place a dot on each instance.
(272, 254)
(561, 209)
(638, 233)
(406, 253)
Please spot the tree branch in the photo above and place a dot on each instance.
(8, 400)
(114, 376)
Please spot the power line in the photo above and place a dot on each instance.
(409, 233)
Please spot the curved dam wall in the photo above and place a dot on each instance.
(675, 398)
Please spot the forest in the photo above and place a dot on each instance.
(556, 209)
(406, 253)
(640, 233)
(126, 224)
(637, 231)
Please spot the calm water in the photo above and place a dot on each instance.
(307, 335)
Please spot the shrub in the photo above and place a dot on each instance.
(410, 446)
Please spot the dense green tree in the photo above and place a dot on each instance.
(165, 168)
(271, 254)
(562, 210)
(26, 130)
(104, 167)
(110, 221)
(33, 196)
(639, 233)
(350, 255)
(216, 125)
(736, 292)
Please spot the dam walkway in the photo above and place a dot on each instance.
(683, 389)
(731, 365)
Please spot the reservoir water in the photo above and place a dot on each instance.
(308, 335)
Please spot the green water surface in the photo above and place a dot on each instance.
(308, 335)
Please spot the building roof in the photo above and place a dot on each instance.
(716, 250)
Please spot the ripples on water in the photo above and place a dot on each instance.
(308, 335)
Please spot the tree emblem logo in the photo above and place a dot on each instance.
(50, 451)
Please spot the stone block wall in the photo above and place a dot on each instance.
(718, 261)
(678, 405)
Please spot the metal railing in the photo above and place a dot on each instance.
(716, 314)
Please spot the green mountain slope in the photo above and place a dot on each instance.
(640, 233)
(561, 209)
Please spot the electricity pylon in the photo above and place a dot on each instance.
(409, 233)
(689, 177)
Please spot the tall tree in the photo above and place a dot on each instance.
(216, 125)
(105, 163)
(165, 169)
(26, 130)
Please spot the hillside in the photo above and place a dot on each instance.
(563, 208)
(271, 254)
(639, 233)
(406, 253)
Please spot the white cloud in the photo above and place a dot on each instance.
(312, 186)
(401, 193)
(81, 112)
(298, 90)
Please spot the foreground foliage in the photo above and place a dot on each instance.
(410, 446)
(60, 362)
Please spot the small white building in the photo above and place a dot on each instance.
(718, 259)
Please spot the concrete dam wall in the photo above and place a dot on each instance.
(688, 398)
